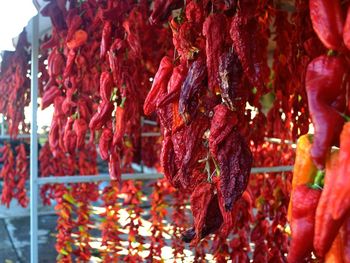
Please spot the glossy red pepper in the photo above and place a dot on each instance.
(49, 96)
(327, 21)
(102, 115)
(304, 204)
(324, 87)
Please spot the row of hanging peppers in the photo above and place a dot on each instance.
(319, 206)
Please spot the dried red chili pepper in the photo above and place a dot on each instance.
(50, 94)
(230, 78)
(105, 142)
(159, 85)
(327, 21)
(80, 127)
(206, 214)
(120, 127)
(55, 63)
(106, 38)
(114, 166)
(102, 115)
(215, 31)
(304, 204)
(69, 137)
(79, 38)
(106, 86)
(250, 45)
(221, 126)
(191, 89)
(234, 160)
(324, 78)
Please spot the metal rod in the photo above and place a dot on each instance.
(152, 123)
(138, 176)
(27, 136)
(150, 134)
(95, 178)
(34, 144)
(2, 125)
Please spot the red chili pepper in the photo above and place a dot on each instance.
(49, 96)
(79, 38)
(250, 44)
(215, 31)
(106, 38)
(191, 89)
(346, 32)
(159, 85)
(327, 21)
(106, 86)
(69, 137)
(80, 127)
(230, 79)
(120, 126)
(55, 63)
(324, 79)
(114, 166)
(221, 126)
(105, 143)
(102, 115)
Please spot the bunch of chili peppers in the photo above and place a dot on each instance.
(319, 221)
(14, 172)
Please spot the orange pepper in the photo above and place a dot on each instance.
(304, 168)
(79, 38)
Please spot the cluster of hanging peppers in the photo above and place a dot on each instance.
(199, 68)
(14, 173)
(318, 210)
(15, 86)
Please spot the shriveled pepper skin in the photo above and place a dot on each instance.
(249, 46)
(191, 89)
(230, 78)
(324, 78)
(341, 190)
(234, 159)
(304, 170)
(214, 30)
(327, 21)
(304, 200)
(326, 228)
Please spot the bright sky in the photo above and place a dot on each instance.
(14, 15)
